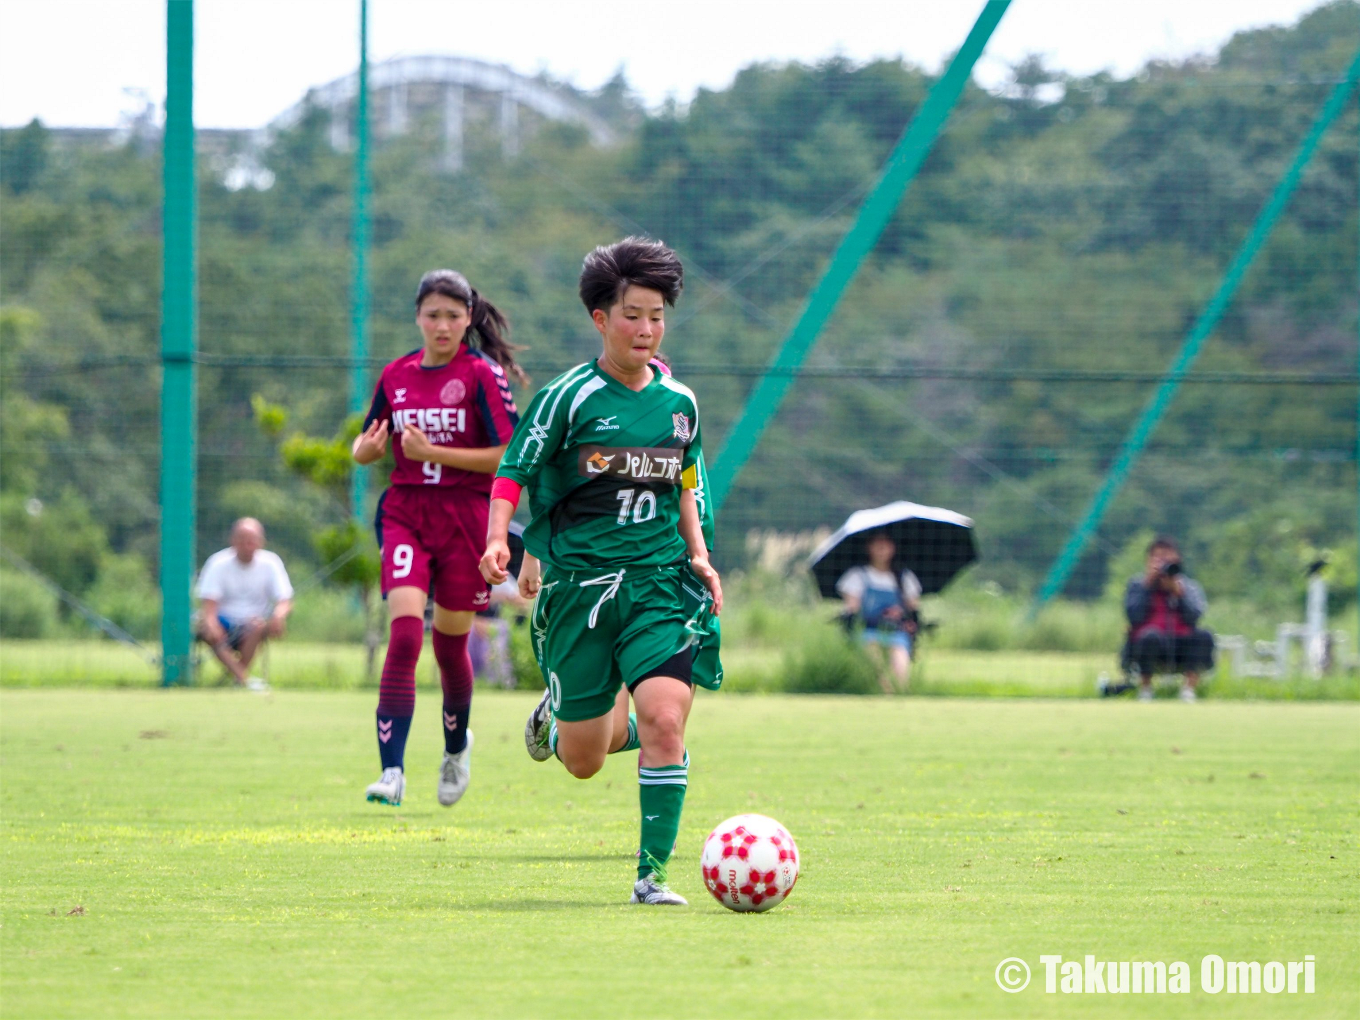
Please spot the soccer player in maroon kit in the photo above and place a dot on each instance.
(450, 413)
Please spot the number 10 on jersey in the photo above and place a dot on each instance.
(644, 509)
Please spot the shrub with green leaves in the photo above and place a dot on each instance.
(27, 609)
(828, 661)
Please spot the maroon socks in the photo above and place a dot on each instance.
(455, 674)
(397, 692)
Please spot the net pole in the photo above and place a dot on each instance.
(179, 439)
(873, 216)
(358, 379)
(1141, 432)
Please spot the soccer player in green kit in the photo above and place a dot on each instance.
(611, 454)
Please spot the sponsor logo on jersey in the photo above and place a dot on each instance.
(682, 427)
(399, 395)
(636, 463)
(604, 425)
(438, 423)
(453, 392)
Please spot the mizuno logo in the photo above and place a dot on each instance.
(604, 423)
(651, 818)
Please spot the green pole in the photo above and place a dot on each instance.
(1207, 322)
(179, 327)
(873, 217)
(358, 380)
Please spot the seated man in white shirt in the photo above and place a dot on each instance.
(245, 596)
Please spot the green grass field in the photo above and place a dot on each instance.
(315, 666)
(209, 853)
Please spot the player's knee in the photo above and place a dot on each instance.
(583, 766)
(663, 731)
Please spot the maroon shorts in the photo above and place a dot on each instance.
(434, 537)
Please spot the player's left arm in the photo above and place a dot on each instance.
(692, 531)
(694, 514)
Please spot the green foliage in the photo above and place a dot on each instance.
(27, 609)
(364, 567)
(528, 677)
(61, 538)
(23, 156)
(124, 593)
(327, 614)
(26, 426)
(271, 418)
(1063, 223)
(828, 661)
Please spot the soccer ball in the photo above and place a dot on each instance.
(750, 862)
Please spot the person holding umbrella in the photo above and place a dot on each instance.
(881, 561)
(886, 602)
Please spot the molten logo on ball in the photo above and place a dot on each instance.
(750, 862)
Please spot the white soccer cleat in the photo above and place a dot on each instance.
(1188, 694)
(388, 789)
(454, 773)
(538, 729)
(1144, 693)
(254, 683)
(656, 894)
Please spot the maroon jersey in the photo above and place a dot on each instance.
(466, 403)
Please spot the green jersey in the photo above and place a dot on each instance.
(605, 466)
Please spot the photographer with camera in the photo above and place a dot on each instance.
(1164, 607)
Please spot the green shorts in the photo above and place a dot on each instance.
(596, 630)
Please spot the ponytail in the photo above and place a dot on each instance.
(487, 323)
(491, 327)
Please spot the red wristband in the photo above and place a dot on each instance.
(507, 489)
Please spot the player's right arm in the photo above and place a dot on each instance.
(537, 436)
(371, 443)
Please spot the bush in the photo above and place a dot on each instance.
(327, 614)
(27, 609)
(60, 538)
(124, 592)
(829, 662)
(528, 677)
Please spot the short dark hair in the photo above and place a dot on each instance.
(611, 269)
(1163, 542)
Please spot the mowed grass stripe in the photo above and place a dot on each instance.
(228, 865)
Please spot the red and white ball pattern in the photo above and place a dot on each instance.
(750, 862)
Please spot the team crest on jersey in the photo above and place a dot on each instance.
(453, 392)
(682, 428)
(399, 397)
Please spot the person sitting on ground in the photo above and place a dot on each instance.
(1164, 608)
(887, 603)
(245, 597)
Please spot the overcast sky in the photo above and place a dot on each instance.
(74, 62)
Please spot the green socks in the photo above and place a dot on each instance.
(661, 795)
(632, 743)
